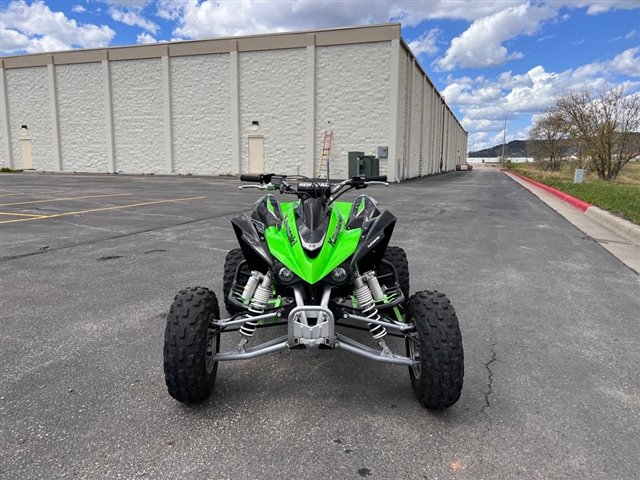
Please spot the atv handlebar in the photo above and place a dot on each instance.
(257, 178)
(312, 188)
(250, 178)
(266, 178)
(359, 182)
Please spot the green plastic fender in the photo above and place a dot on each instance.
(339, 243)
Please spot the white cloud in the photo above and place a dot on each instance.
(129, 3)
(13, 40)
(35, 28)
(144, 37)
(133, 18)
(546, 37)
(215, 18)
(596, 7)
(521, 134)
(218, 18)
(78, 9)
(481, 126)
(426, 43)
(478, 140)
(484, 103)
(460, 94)
(412, 13)
(481, 44)
(627, 63)
(630, 35)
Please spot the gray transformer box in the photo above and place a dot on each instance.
(361, 164)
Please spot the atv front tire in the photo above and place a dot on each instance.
(437, 347)
(398, 258)
(190, 341)
(231, 262)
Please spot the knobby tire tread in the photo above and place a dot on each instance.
(442, 357)
(185, 345)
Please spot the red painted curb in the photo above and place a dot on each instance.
(573, 201)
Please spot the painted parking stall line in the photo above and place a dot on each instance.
(64, 199)
(22, 214)
(104, 209)
(13, 194)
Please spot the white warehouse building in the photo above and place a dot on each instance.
(228, 106)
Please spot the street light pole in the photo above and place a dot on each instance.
(504, 141)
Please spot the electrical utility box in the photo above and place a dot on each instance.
(361, 164)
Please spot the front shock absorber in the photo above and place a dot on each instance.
(258, 303)
(365, 300)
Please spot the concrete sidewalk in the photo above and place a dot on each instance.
(596, 224)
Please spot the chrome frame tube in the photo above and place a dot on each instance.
(352, 346)
(224, 323)
(300, 303)
(271, 346)
(392, 325)
(326, 296)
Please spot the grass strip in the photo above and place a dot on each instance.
(620, 198)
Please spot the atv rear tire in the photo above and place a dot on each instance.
(189, 343)
(398, 258)
(437, 346)
(234, 257)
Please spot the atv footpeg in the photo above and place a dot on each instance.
(302, 333)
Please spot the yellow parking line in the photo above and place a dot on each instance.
(22, 214)
(103, 209)
(64, 199)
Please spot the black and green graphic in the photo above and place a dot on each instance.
(314, 268)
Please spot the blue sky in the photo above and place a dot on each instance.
(491, 60)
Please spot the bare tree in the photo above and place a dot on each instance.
(549, 139)
(580, 149)
(607, 127)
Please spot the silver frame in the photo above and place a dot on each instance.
(323, 333)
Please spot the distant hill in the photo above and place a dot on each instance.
(518, 148)
(515, 148)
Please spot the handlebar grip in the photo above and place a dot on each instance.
(381, 178)
(250, 178)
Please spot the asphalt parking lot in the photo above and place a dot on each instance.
(88, 268)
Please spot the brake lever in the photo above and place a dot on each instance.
(259, 187)
(375, 182)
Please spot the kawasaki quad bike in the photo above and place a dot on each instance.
(320, 267)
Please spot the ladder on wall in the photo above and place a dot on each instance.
(326, 152)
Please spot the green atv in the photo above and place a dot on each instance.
(320, 267)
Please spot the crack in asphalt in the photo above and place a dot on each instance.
(487, 394)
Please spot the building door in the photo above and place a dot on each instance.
(25, 154)
(256, 154)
